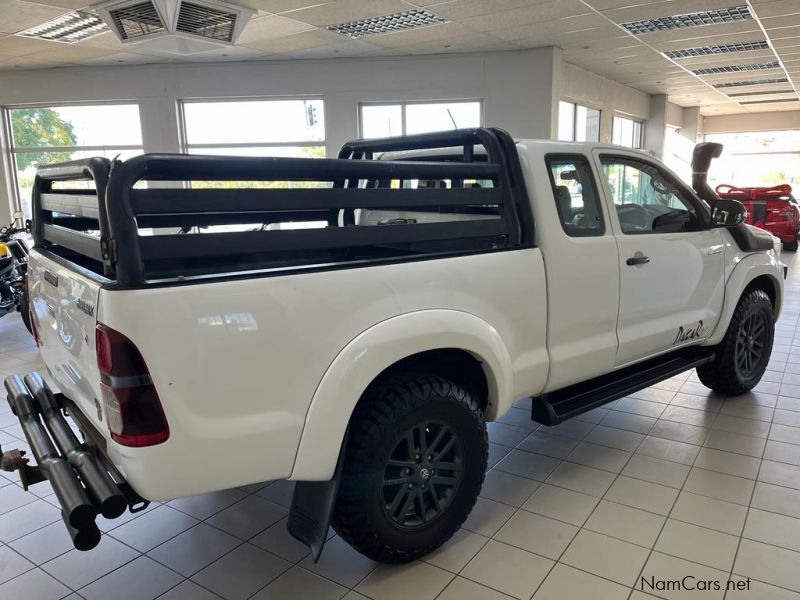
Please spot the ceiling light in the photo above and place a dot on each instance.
(695, 19)
(739, 94)
(409, 19)
(72, 27)
(718, 49)
(769, 101)
(751, 82)
(737, 68)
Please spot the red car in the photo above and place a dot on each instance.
(773, 209)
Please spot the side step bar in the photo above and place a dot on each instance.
(558, 406)
(80, 480)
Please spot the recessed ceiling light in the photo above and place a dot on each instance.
(69, 28)
(768, 101)
(737, 68)
(718, 49)
(751, 82)
(409, 19)
(695, 19)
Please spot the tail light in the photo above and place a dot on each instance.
(34, 331)
(133, 409)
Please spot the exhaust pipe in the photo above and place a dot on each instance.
(76, 508)
(98, 482)
(702, 156)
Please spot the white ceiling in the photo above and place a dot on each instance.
(588, 31)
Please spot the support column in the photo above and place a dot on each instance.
(655, 128)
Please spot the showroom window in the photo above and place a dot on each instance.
(758, 158)
(577, 123)
(626, 132)
(285, 127)
(42, 135)
(405, 118)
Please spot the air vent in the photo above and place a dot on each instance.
(206, 21)
(695, 19)
(738, 68)
(137, 20)
(740, 94)
(718, 49)
(784, 100)
(181, 27)
(72, 27)
(409, 19)
(731, 84)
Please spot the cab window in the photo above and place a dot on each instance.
(575, 194)
(648, 199)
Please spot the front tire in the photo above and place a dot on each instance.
(743, 355)
(415, 461)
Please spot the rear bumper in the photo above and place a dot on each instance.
(86, 485)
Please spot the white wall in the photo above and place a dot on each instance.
(587, 88)
(766, 121)
(518, 89)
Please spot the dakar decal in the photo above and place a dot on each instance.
(692, 333)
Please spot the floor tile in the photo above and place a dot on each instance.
(194, 549)
(742, 426)
(26, 519)
(625, 523)
(400, 582)
(465, 589)
(44, 544)
(733, 442)
(33, 584)
(615, 438)
(140, 579)
(698, 544)
(536, 533)
(507, 569)
(668, 450)
(571, 428)
(718, 485)
(153, 528)
(12, 497)
(241, 573)
(279, 541)
(506, 435)
(728, 462)
(527, 464)
(599, 457)
(640, 407)
(680, 432)
(773, 528)
(12, 564)
(605, 556)
(457, 551)
(566, 582)
(488, 516)
(562, 504)
(507, 488)
(581, 479)
(188, 590)
(340, 563)
(76, 569)
(697, 402)
(205, 505)
(782, 452)
(550, 445)
(775, 498)
(690, 416)
(750, 588)
(248, 517)
(780, 474)
(643, 495)
(299, 584)
(770, 564)
(656, 470)
(709, 512)
(628, 421)
(279, 492)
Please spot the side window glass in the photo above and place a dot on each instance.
(575, 194)
(647, 199)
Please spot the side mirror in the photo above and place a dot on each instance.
(728, 213)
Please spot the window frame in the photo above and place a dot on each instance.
(404, 103)
(9, 150)
(185, 145)
(575, 106)
(638, 143)
(701, 210)
(575, 158)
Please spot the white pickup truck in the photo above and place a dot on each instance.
(353, 323)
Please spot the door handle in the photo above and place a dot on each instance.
(637, 260)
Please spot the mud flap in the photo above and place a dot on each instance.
(312, 508)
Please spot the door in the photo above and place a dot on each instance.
(671, 259)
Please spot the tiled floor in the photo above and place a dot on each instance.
(670, 482)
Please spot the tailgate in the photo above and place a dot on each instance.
(64, 305)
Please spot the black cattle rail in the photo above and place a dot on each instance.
(81, 479)
(104, 225)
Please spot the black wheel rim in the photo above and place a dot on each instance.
(423, 474)
(751, 343)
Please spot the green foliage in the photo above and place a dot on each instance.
(38, 127)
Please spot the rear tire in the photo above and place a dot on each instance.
(415, 461)
(744, 352)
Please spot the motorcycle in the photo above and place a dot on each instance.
(13, 268)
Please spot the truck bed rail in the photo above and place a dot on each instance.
(105, 225)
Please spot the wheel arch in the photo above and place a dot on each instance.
(752, 272)
(447, 340)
